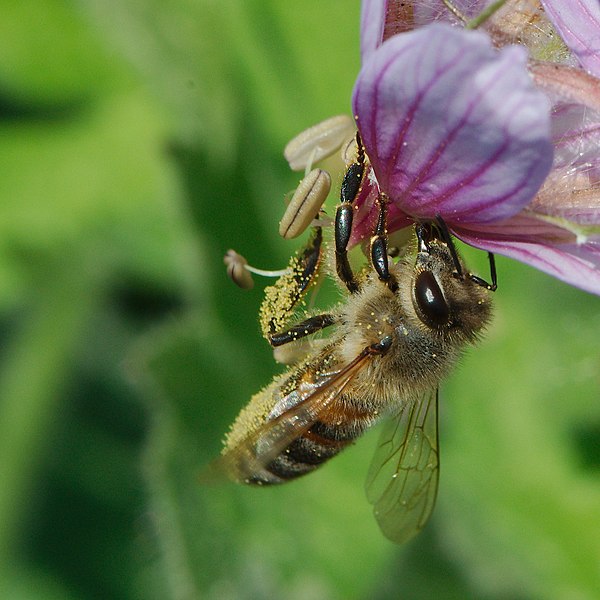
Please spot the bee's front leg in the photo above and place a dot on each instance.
(344, 216)
(379, 246)
(482, 282)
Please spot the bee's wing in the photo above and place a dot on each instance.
(403, 477)
(271, 438)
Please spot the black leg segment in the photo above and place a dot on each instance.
(482, 282)
(379, 249)
(300, 330)
(424, 232)
(343, 228)
(344, 216)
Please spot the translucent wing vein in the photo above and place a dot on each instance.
(403, 477)
(265, 443)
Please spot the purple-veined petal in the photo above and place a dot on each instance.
(452, 126)
(575, 134)
(372, 23)
(526, 227)
(567, 83)
(365, 216)
(571, 196)
(578, 22)
(577, 264)
(575, 96)
(558, 232)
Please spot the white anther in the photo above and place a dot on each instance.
(318, 141)
(305, 204)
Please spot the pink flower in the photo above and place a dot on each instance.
(505, 149)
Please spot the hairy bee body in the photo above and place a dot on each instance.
(419, 356)
(338, 426)
(399, 331)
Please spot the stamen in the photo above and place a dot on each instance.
(454, 10)
(265, 273)
(318, 142)
(485, 14)
(305, 204)
(322, 220)
(478, 20)
(350, 150)
(239, 271)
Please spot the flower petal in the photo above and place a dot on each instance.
(576, 136)
(578, 23)
(567, 83)
(575, 264)
(365, 217)
(452, 126)
(372, 22)
(572, 190)
(570, 196)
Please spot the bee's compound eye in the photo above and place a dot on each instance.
(433, 308)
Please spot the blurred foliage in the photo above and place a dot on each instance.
(140, 140)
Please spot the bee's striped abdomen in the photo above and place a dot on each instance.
(322, 441)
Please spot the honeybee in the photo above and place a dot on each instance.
(399, 331)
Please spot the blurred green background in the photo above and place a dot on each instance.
(138, 142)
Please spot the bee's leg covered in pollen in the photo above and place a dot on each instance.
(282, 298)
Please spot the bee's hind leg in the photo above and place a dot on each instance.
(282, 298)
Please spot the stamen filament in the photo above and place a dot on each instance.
(266, 273)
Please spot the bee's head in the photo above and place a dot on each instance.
(446, 298)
